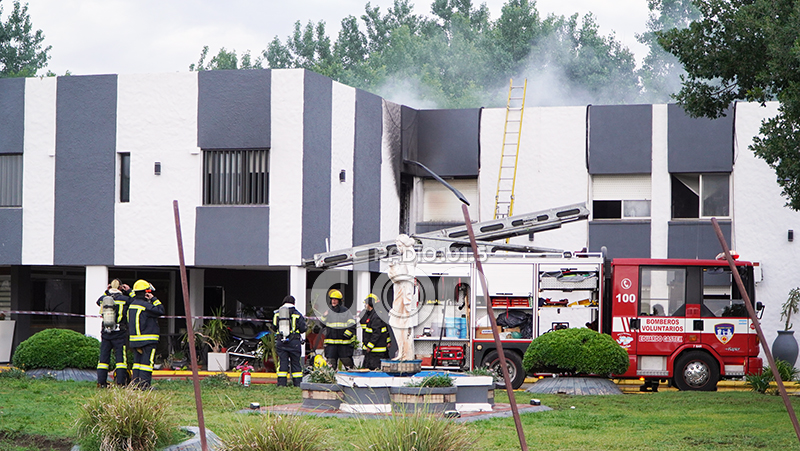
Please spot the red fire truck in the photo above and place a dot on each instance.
(680, 320)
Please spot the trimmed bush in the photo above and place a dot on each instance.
(124, 419)
(576, 351)
(57, 349)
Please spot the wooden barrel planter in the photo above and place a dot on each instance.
(321, 396)
(401, 367)
(430, 399)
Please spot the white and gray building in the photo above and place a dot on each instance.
(270, 167)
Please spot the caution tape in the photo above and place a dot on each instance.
(80, 315)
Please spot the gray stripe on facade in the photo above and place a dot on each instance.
(367, 171)
(12, 115)
(620, 139)
(232, 236)
(699, 144)
(693, 239)
(86, 127)
(621, 239)
(449, 141)
(10, 236)
(317, 116)
(233, 109)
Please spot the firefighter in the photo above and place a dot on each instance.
(375, 335)
(143, 328)
(289, 324)
(114, 333)
(340, 332)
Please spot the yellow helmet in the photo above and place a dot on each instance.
(335, 294)
(143, 285)
(372, 299)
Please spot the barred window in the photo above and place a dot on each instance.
(11, 180)
(235, 177)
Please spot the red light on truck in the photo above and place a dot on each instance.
(692, 338)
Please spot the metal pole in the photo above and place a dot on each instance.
(509, 389)
(757, 324)
(190, 331)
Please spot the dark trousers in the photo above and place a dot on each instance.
(143, 365)
(290, 363)
(372, 360)
(336, 353)
(119, 345)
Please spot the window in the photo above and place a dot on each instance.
(663, 291)
(621, 196)
(235, 177)
(700, 195)
(721, 296)
(124, 177)
(11, 180)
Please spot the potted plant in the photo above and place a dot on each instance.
(785, 345)
(267, 352)
(215, 334)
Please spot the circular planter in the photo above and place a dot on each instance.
(401, 367)
(430, 399)
(321, 396)
(785, 347)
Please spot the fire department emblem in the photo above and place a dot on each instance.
(624, 340)
(724, 332)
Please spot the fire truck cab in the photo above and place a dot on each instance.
(682, 320)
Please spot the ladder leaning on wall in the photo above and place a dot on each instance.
(512, 133)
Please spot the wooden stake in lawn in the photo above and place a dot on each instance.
(517, 422)
(190, 331)
(757, 324)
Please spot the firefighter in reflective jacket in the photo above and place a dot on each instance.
(114, 333)
(143, 328)
(375, 335)
(340, 332)
(289, 324)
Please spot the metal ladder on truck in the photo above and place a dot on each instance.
(509, 153)
(456, 239)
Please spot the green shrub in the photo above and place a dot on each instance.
(576, 351)
(433, 381)
(322, 375)
(12, 373)
(57, 349)
(761, 383)
(123, 419)
(415, 432)
(278, 433)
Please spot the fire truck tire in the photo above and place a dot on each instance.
(696, 370)
(515, 371)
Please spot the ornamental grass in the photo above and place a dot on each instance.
(277, 433)
(123, 419)
(417, 431)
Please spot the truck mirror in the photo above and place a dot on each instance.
(759, 306)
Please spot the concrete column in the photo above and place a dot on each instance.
(297, 288)
(96, 283)
(197, 282)
(361, 290)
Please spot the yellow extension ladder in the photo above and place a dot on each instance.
(512, 132)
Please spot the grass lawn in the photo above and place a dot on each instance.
(45, 409)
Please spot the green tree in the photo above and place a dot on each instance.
(747, 50)
(225, 60)
(21, 51)
(661, 71)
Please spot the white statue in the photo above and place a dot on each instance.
(402, 317)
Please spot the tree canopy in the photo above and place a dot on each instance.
(747, 50)
(458, 57)
(21, 51)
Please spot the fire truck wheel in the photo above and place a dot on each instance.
(515, 371)
(696, 370)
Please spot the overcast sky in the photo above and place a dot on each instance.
(151, 36)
